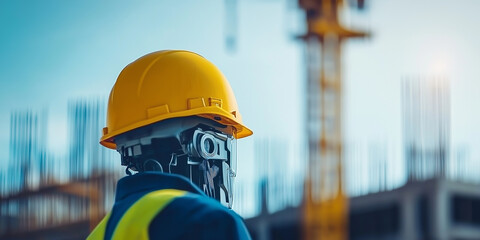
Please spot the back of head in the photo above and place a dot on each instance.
(175, 112)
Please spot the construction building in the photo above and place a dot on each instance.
(434, 203)
(431, 209)
(41, 200)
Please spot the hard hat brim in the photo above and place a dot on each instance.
(211, 112)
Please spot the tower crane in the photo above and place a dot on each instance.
(325, 213)
(325, 207)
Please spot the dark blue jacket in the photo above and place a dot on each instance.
(192, 215)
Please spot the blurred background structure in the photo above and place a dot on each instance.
(426, 123)
(370, 138)
(44, 197)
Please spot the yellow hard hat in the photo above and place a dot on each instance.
(170, 84)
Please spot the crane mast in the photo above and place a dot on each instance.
(325, 206)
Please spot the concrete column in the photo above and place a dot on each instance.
(408, 219)
(440, 214)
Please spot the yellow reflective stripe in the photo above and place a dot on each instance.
(135, 222)
(99, 232)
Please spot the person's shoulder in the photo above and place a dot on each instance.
(203, 205)
(200, 217)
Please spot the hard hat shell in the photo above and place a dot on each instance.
(169, 84)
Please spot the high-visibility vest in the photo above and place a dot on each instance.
(135, 222)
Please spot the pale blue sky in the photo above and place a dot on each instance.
(54, 51)
(411, 39)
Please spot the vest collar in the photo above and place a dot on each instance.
(151, 181)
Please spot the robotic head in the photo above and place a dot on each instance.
(200, 149)
(174, 111)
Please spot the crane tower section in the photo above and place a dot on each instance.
(325, 207)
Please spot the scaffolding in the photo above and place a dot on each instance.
(47, 197)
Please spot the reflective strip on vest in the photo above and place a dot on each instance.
(99, 231)
(135, 222)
